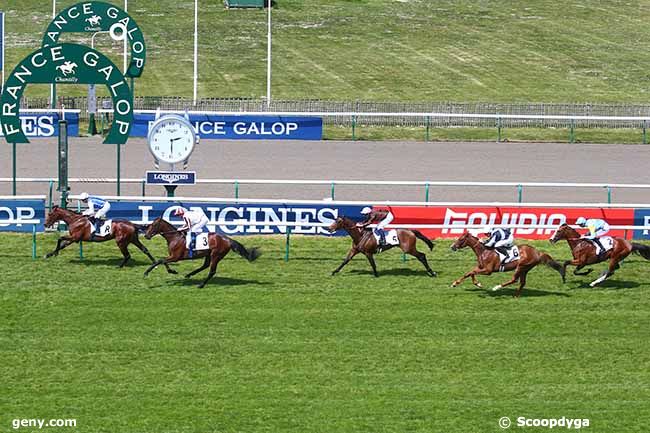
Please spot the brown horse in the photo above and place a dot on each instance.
(364, 242)
(219, 246)
(489, 262)
(584, 252)
(79, 229)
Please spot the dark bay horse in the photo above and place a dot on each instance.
(489, 262)
(364, 242)
(79, 229)
(584, 252)
(219, 246)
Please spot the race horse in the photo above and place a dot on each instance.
(79, 229)
(489, 261)
(584, 252)
(364, 242)
(218, 247)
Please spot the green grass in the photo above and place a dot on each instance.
(498, 51)
(278, 346)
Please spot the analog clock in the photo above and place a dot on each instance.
(172, 139)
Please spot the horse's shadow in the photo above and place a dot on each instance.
(111, 262)
(606, 285)
(510, 292)
(216, 281)
(401, 272)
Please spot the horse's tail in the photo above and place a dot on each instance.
(642, 250)
(548, 261)
(418, 234)
(250, 255)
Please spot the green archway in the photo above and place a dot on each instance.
(91, 17)
(66, 64)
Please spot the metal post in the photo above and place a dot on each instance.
(645, 135)
(609, 194)
(144, 188)
(572, 137)
(81, 246)
(236, 190)
(119, 167)
(287, 245)
(426, 191)
(33, 241)
(426, 138)
(498, 130)
(354, 125)
(332, 191)
(13, 158)
(520, 193)
(63, 163)
(49, 206)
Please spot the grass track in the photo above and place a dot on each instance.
(283, 347)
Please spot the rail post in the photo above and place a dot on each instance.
(50, 199)
(119, 167)
(426, 191)
(236, 190)
(14, 170)
(520, 193)
(498, 129)
(609, 194)
(144, 188)
(81, 247)
(33, 241)
(426, 138)
(332, 187)
(645, 135)
(354, 125)
(287, 245)
(572, 132)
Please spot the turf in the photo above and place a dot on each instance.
(278, 346)
(460, 50)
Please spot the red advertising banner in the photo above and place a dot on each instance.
(494, 216)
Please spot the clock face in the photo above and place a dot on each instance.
(171, 140)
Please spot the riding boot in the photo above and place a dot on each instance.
(503, 251)
(601, 251)
(98, 225)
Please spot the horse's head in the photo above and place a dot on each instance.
(153, 229)
(564, 232)
(462, 241)
(53, 216)
(339, 223)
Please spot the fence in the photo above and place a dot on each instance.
(331, 185)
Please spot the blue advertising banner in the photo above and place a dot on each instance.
(642, 218)
(243, 127)
(45, 125)
(228, 218)
(23, 214)
(171, 177)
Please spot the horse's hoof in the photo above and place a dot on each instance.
(187, 276)
(172, 271)
(479, 285)
(495, 288)
(433, 274)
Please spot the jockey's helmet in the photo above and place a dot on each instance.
(83, 196)
(366, 210)
(581, 221)
(179, 211)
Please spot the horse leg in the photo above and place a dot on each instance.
(514, 279)
(61, 243)
(472, 274)
(522, 282)
(214, 260)
(125, 252)
(613, 265)
(158, 262)
(423, 259)
(372, 264)
(135, 241)
(206, 263)
(353, 252)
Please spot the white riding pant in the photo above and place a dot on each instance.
(383, 223)
(196, 228)
(599, 232)
(507, 242)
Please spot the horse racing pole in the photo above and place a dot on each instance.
(63, 162)
(53, 86)
(196, 47)
(269, 3)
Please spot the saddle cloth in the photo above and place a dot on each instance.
(513, 254)
(608, 244)
(105, 229)
(391, 237)
(201, 242)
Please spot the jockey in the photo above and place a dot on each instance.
(597, 228)
(193, 222)
(499, 239)
(97, 208)
(382, 217)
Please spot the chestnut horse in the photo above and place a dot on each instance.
(219, 246)
(489, 261)
(79, 229)
(584, 252)
(364, 242)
